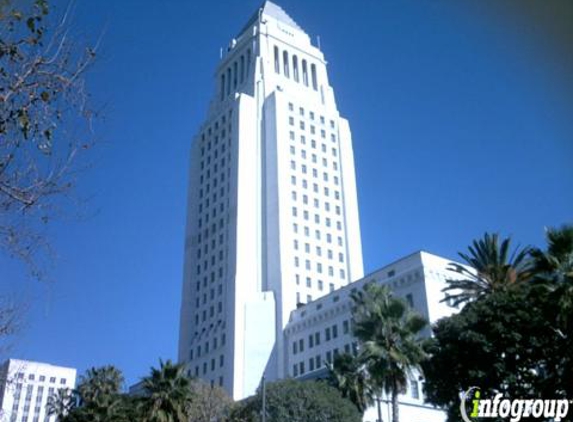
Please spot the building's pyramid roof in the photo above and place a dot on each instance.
(271, 9)
(275, 11)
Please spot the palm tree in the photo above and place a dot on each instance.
(60, 403)
(554, 270)
(99, 384)
(167, 394)
(492, 268)
(389, 332)
(349, 376)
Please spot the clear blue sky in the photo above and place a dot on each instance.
(462, 118)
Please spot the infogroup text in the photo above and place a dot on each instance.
(514, 409)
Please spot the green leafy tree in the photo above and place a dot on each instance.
(98, 384)
(503, 343)
(45, 125)
(554, 271)
(493, 267)
(390, 344)
(298, 401)
(349, 376)
(167, 394)
(98, 398)
(554, 284)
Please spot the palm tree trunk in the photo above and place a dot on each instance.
(395, 410)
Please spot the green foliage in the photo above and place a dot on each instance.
(554, 271)
(502, 343)
(349, 375)
(493, 267)
(390, 345)
(167, 395)
(97, 398)
(517, 337)
(298, 401)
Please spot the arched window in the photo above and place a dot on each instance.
(236, 75)
(295, 68)
(242, 68)
(277, 64)
(222, 86)
(229, 81)
(304, 73)
(314, 81)
(285, 64)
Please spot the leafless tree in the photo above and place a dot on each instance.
(210, 403)
(45, 125)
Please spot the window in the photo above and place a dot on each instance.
(295, 68)
(242, 68)
(414, 389)
(327, 334)
(304, 72)
(314, 78)
(334, 331)
(410, 300)
(222, 86)
(345, 327)
(277, 65)
(286, 64)
(235, 75)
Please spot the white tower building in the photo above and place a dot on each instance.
(272, 208)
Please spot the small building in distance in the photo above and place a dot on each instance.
(25, 387)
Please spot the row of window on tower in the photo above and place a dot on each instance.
(212, 219)
(290, 68)
(235, 74)
(305, 159)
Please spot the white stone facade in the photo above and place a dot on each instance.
(25, 387)
(322, 329)
(272, 209)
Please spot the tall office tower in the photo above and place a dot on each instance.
(272, 208)
(26, 386)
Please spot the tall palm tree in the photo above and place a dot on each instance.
(389, 333)
(99, 384)
(167, 394)
(554, 270)
(492, 267)
(348, 374)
